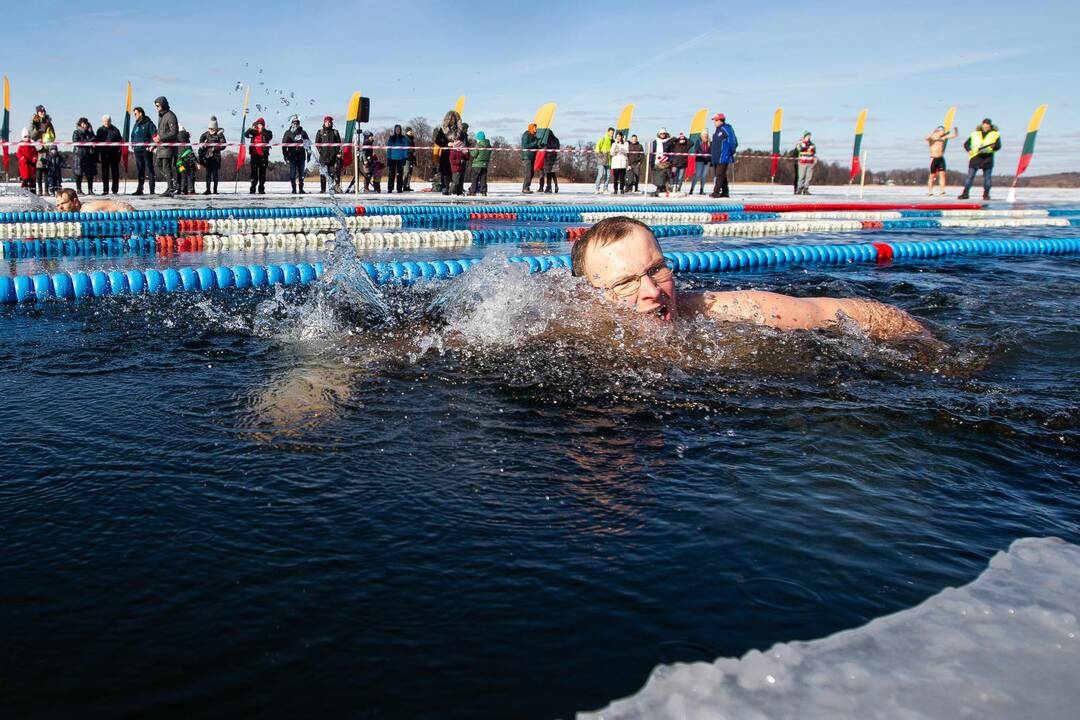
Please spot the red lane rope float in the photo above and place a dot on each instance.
(884, 253)
(719, 217)
(574, 233)
(873, 225)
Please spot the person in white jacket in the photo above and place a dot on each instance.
(620, 160)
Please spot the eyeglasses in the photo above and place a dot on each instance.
(659, 273)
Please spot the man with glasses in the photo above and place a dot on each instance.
(622, 257)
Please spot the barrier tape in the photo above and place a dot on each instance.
(41, 287)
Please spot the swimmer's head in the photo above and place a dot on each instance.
(67, 200)
(621, 256)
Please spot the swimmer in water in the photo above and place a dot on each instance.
(622, 257)
(67, 200)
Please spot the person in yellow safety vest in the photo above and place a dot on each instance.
(603, 160)
(807, 159)
(985, 140)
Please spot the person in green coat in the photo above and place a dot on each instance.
(480, 156)
(529, 144)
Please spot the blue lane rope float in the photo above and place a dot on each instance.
(40, 287)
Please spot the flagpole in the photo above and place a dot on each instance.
(124, 150)
(240, 149)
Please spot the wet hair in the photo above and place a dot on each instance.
(67, 194)
(603, 233)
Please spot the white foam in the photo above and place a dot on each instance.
(1005, 646)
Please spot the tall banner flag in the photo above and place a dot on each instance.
(623, 124)
(242, 152)
(777, 123)
(1029, 148)
(5, 128)
(459, 106)
(350, 129)
(543, 126)
(948, 124)
(127, 129)
(855, 167)
(697, 124)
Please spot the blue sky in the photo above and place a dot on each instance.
(905, 61)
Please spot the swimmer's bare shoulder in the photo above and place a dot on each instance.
(107, 206)
(783, 312)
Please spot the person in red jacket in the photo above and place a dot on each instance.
(259, 149)
(459, 158)
(28, 157)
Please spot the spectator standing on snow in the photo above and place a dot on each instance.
(55, 162)
(807, 152)
(295, 153)
(603, 160)
(28, 159)
(724, 144)
(211, 145)
(636, 158)
(981, 145)
(85, 156)
(165, 154)
(680, 157)
(327, 142)
(620, 160)
(480, 157)
(187, 166)
(43, 133)
(142, 135)
(529, 144)
(397, 154)
(410, 159)
(549, 178)
(109, 138)
(259, 153)
(661, 162)
(702, 149)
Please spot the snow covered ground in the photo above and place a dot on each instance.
(1005, 646)
(570, 194)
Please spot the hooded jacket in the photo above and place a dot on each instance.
(259, 147)
(167, 127)
(551, 142)
(529, 143)
(398, 146)
(480, 156)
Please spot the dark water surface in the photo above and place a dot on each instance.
(487, 506)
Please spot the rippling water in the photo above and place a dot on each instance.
(495, 498)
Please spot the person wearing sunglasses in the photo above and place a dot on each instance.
(622, 258)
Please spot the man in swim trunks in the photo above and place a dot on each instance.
(622, 257)
(67, 200)
(937, 141)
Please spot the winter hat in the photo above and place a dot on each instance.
(40, 108)
(294, 119)
(181, 128)
(480, 135)
(213, 123)
(661, 131)
(682, 136)
(940, 127)
(328, 119)
(260, 121)
(719, 116)
(805, 133)
(25, 134)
